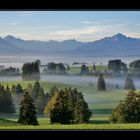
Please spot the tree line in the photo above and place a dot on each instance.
(9, 71)
(31, 71)
(128, 85)
(64, 106)
(55, 68)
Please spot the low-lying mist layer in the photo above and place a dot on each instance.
(111, 83)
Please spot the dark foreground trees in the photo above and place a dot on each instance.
(6, 101)
(67, 107)
(101, 85)
(128, 111)
(27, 112)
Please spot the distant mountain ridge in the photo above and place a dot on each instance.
(118, 44)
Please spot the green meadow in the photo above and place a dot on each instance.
(76, 69)
(101, 104)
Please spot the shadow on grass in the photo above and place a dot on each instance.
(99, 122)
(102, 111)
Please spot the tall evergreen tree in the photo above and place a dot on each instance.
(128, 110)
(13, 89)
(39, 97)
(94, 67)
(19, 89)
(40, 101)
(6, 101)
(35, 90)
(82, 113)
(27, 115)
(101, 85)
(129, 83)
(29, 88)
(10, 108)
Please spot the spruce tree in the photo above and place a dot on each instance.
(101, 85)
(40, 101)
(19, 89)
(129, 83)
(10, 108)
(13, 89)
(35, 90)
(39, 97)
(82, 113)
(27, 115)
(128, 110)
(29, 89)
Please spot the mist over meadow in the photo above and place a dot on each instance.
(17, 61)
(77, 80)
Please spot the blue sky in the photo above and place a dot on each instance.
(62, 25)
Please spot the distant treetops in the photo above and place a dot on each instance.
(101, 85)
(56, 68)
(30, 71)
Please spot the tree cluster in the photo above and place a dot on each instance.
(117, 66)
(6, 101)
(30, 71)
(128, 110)
(67, 107)
(54, 68)
(10, 71)
(84, 70)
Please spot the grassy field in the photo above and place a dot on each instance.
(101, 104)
(95, 123)
(76, 69)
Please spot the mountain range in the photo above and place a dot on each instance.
(118, 44)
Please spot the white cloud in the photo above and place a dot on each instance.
(79, 31)
(14, 23)
(87, 22)
(90, 22)
(132, 34)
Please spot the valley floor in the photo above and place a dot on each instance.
(100, 103)
(96, 123)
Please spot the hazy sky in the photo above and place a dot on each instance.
(61, 25)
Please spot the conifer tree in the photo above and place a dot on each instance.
(67, 106)
(82, 113)
(101, 85)
(40, 101)
(39, 97)
(19, 89)
(128, 110)
(35, 90)
(27, 115)
(129, 83)
(13, 89)
(29, 88)
(10, 108)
